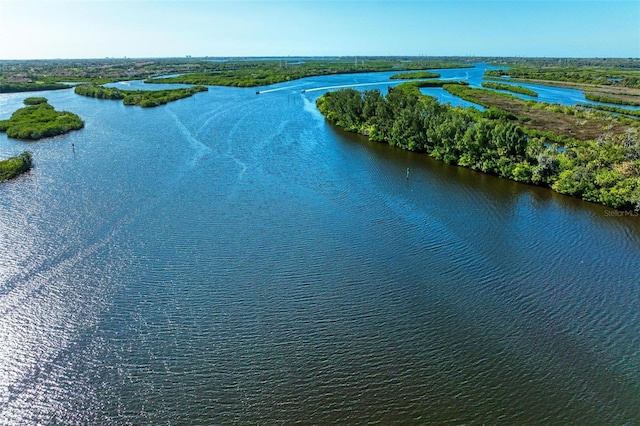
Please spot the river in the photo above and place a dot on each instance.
(233, 258)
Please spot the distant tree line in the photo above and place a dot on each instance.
(412, 75)
(606, 171)
(588, 75)
(264, 73)
(30, 87)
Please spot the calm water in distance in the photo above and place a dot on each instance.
(232, 258)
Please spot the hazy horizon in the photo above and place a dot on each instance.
(292, 57)
(98, 29)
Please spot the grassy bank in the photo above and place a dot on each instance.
(569, 122)
(510, 88)
(610, 99)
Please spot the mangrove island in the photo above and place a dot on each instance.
(39, 120)
(15, 166)
(143, 98)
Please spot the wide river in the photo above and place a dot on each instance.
(232, 258)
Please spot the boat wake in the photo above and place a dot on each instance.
(315, 89)
(278, 89)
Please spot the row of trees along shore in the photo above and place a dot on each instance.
(605, 171)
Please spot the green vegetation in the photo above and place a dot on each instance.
(30, 87)
(99, 92)
(606, 170)
(264, 73)
(15, 166)
(607, 80)
(40, 121)
(608, 99)
(575, 74)
(240, 72)
(547, 62)
(35, 101)
(412, 75)
(143, 98)
(510, 88)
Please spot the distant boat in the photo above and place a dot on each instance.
(257, 92)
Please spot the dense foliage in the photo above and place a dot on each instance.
(15, 166)
(40, 121)
(35, 101)
(152, 98)
(412, 75)
(30, 87)
(143, 98)
(510, 88)
(99, 92)
(605, 171)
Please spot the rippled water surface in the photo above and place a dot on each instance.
(232, 258)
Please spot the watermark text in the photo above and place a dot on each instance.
(621, 213)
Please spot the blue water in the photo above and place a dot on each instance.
(232, 258)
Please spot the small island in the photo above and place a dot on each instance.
(15, 166)
(39, 120)
(143, 98)
(414, 75)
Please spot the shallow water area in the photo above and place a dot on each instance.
(233, 258)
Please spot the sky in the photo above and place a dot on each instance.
(49, 29)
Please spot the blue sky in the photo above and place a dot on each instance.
(157, 28)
